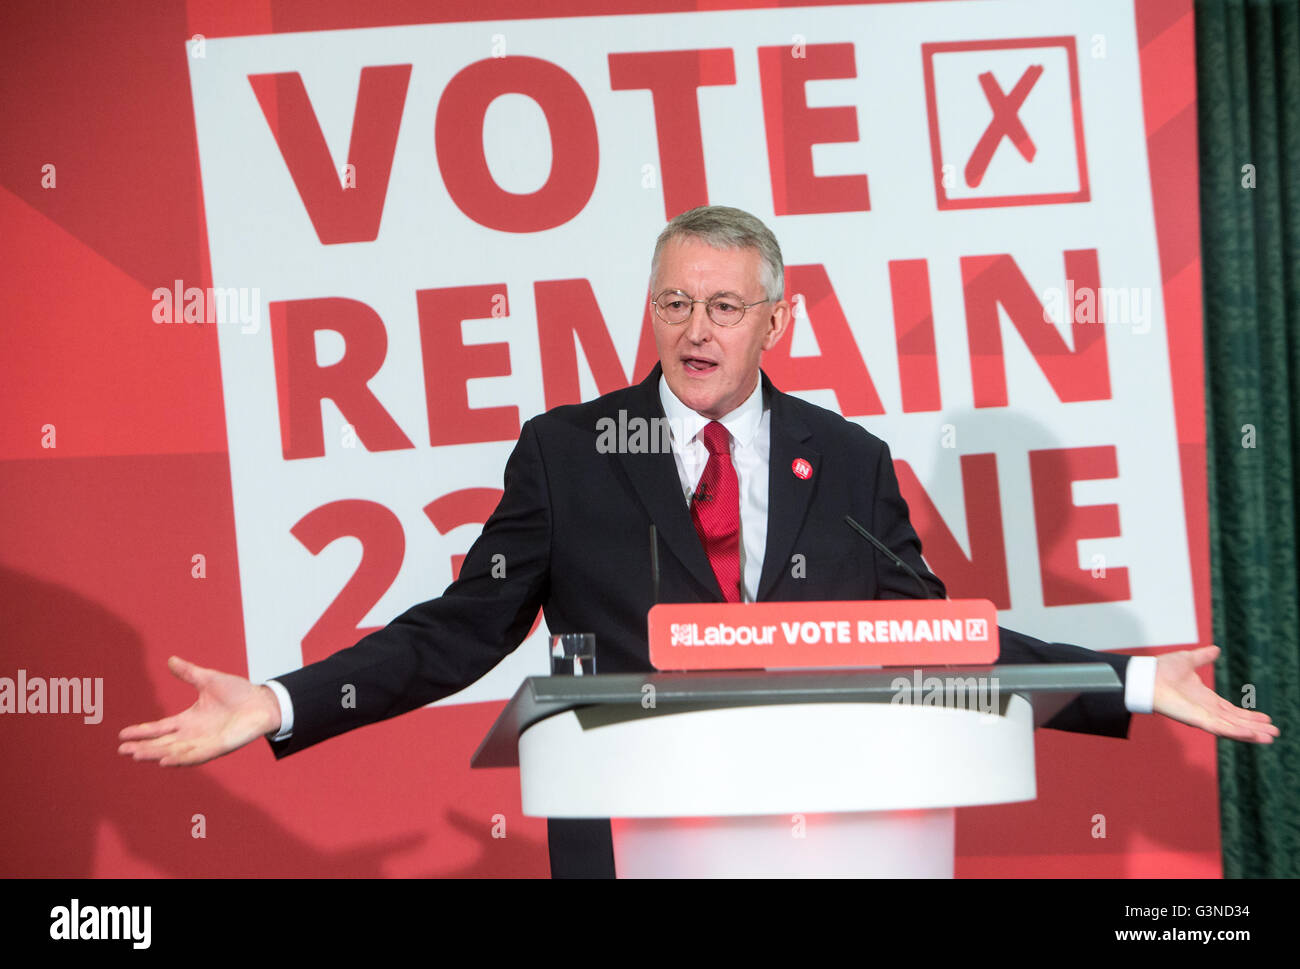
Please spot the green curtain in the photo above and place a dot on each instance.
(1248, 93)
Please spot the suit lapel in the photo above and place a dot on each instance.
(788, 494)
(654, 477)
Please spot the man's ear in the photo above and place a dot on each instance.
(776, 324)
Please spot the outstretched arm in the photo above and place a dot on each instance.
(429, 652)
(229, 713)
(1180, 695)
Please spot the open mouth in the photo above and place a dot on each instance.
(699, 365)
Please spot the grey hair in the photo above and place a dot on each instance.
(727, 228)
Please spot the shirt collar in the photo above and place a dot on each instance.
(742, 423)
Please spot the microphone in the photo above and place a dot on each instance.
(654, 564)
(889, 553)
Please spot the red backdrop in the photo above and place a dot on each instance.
(99, 532)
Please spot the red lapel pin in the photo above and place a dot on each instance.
(801, 468)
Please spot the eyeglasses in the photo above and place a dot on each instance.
(724, 309)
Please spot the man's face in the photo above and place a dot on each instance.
(712, 369)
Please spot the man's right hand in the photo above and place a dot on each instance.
(229, 713)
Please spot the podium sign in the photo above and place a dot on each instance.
(816, 635)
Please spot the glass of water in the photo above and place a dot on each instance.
(573, 654)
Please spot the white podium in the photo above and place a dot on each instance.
(808, 773)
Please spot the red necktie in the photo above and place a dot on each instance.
(715, 509)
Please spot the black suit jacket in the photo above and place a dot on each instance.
(573, 527)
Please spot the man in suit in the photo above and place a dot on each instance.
(745, 480)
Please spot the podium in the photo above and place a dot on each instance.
(801, 773)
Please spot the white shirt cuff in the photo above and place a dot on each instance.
(1140, 684)
(286, 708)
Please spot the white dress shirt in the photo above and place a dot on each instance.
(750, 427)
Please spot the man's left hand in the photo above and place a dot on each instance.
(1182, 696)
